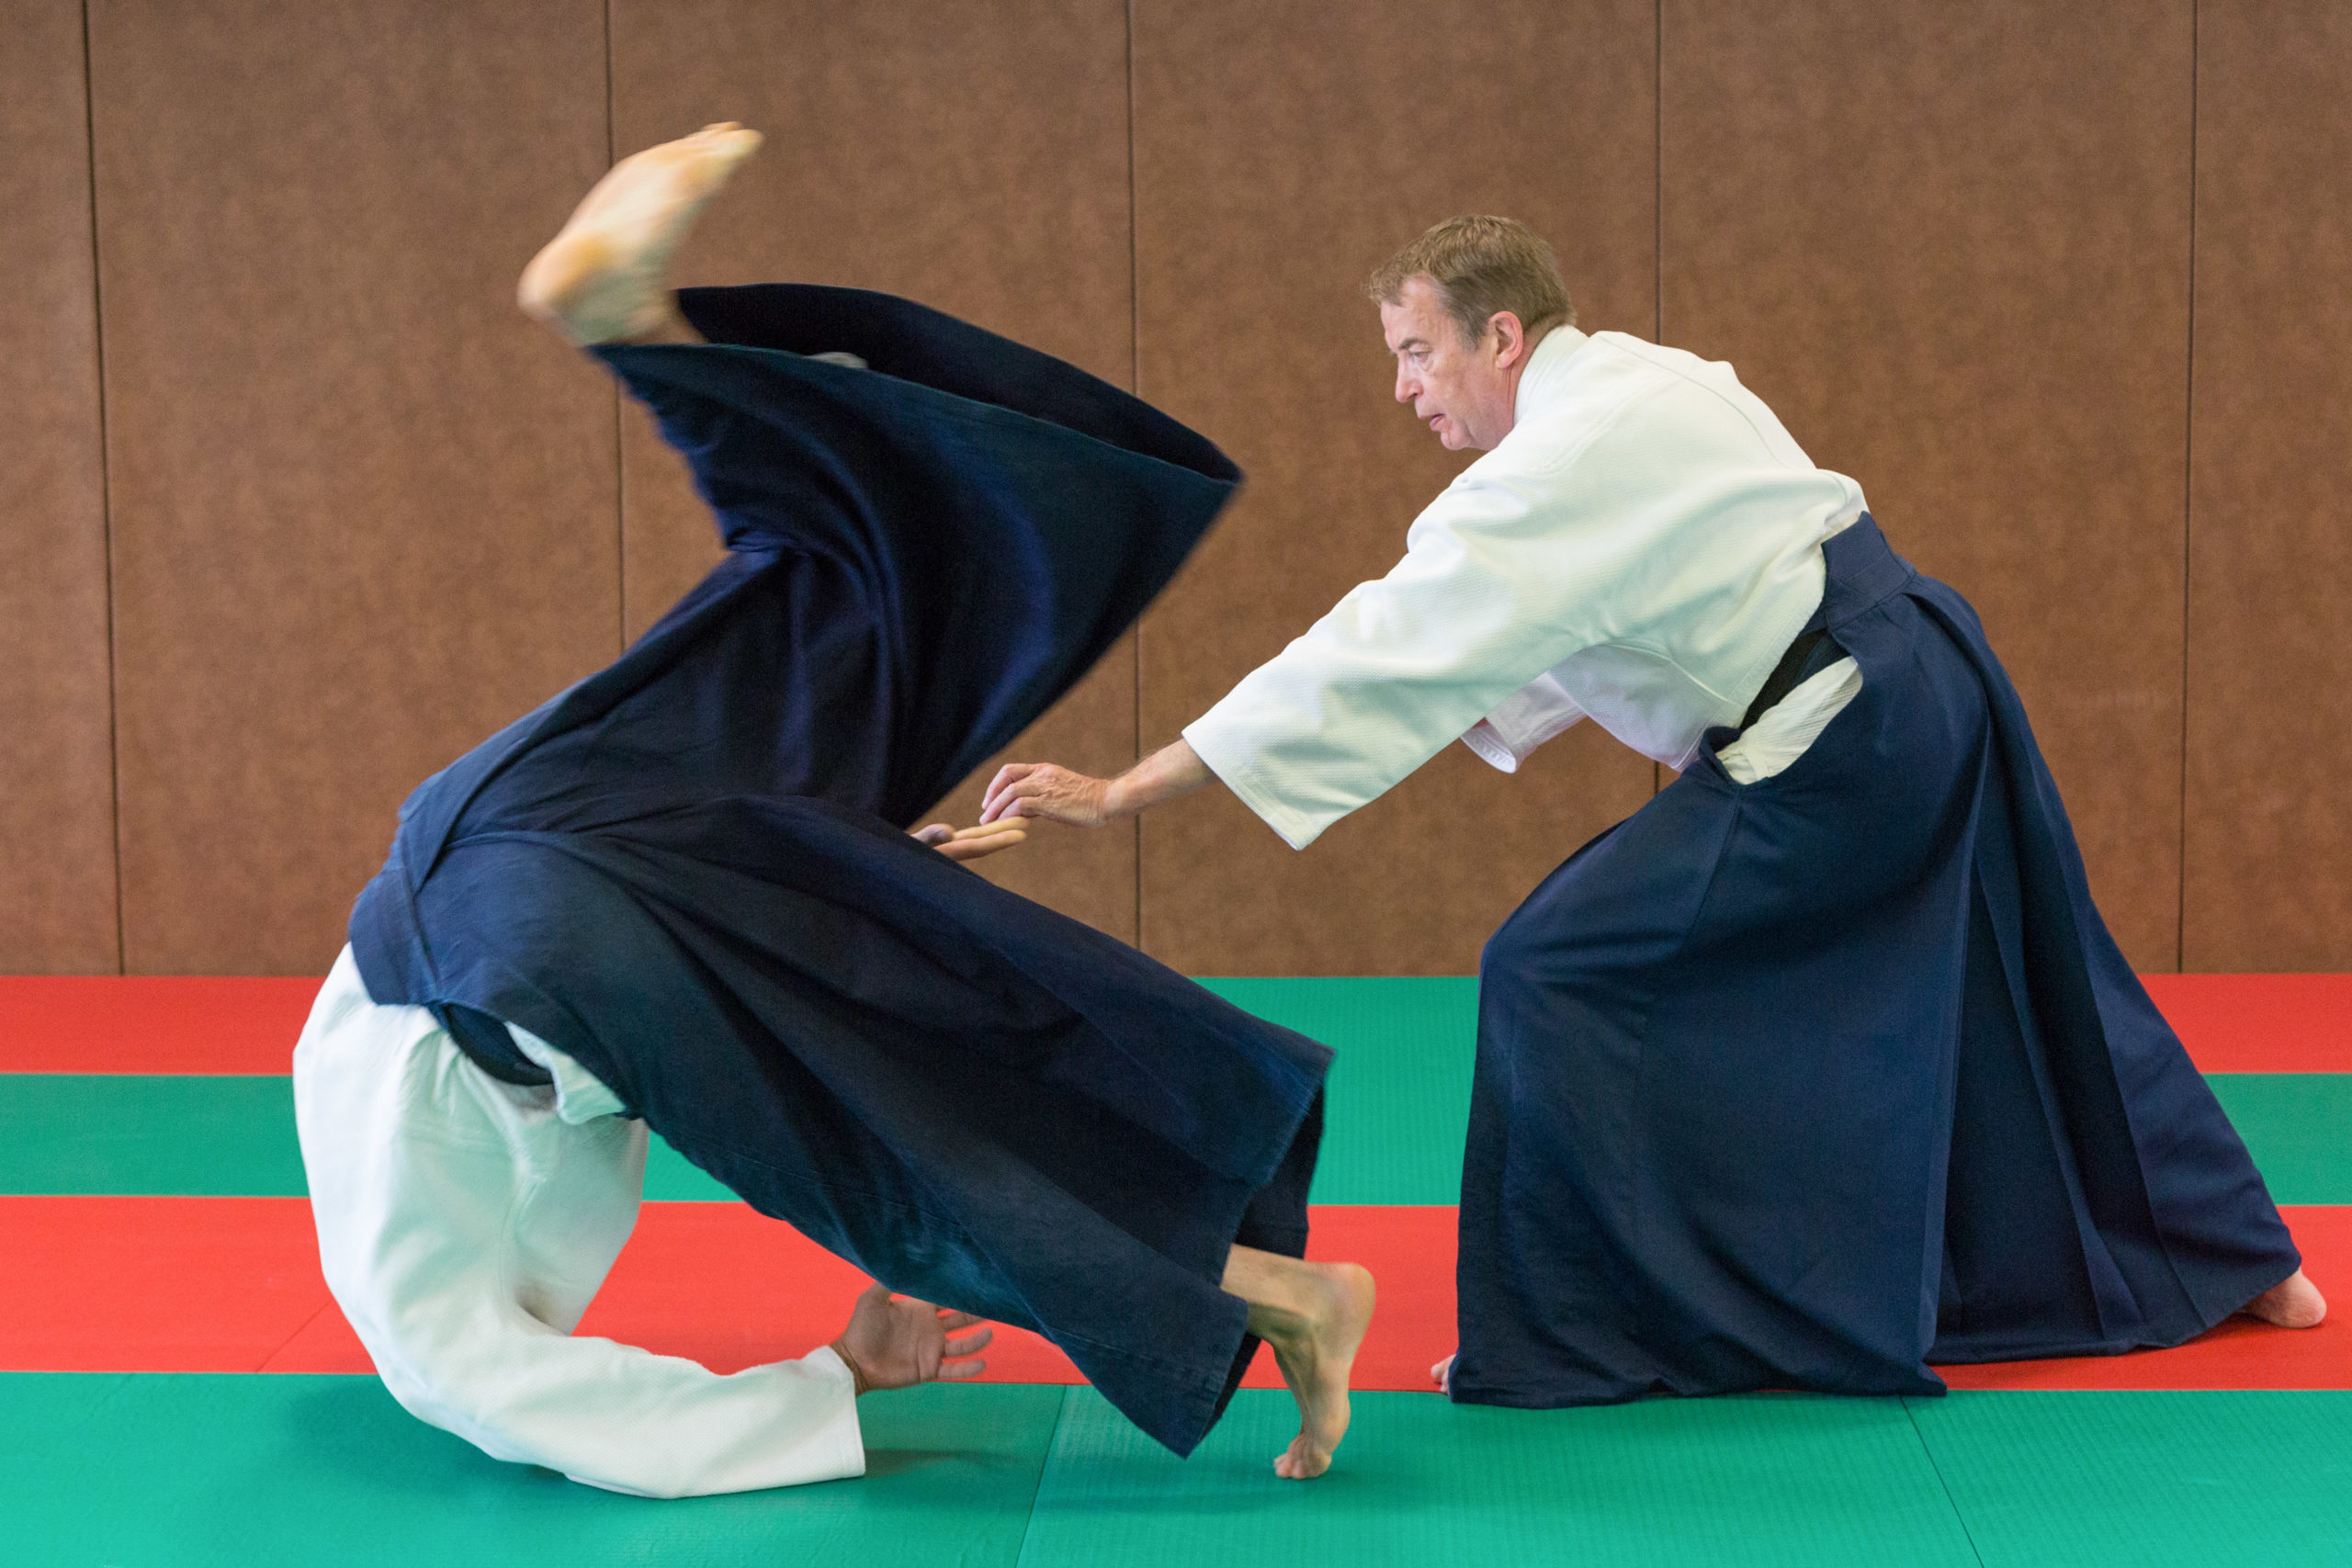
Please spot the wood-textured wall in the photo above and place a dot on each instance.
(294, 507)
(58, 907)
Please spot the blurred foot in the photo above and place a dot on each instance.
(604, 277)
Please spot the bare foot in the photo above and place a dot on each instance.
(2292, 1302)
(1314, 1316)
(1441, 1374)
(602, 278)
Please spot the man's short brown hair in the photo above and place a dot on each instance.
(1482, 265)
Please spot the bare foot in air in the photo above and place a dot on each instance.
(603, 278)
(2292, 1302)
(1313, 1316)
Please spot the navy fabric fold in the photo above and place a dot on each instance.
(689, 873)
(1811, 1082)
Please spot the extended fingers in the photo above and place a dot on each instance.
(1038, 794)
(1038, 782)
(973, 843)
(1010, 773)
(950, 1372)
(970, 1344)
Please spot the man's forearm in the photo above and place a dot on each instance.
(1173, 771)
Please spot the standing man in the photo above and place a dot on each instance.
(1821, 1066)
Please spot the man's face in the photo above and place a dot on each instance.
(1457, 389)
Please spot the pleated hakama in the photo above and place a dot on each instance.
(1811, 1082)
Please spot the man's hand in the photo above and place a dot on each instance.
(970, 843)
(898, 1342)
(1043, 789)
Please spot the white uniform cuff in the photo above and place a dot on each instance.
(1296, 830)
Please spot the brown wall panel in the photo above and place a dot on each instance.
(2269, 825)
(973, 156)
(57, 872)
(1282, 152)
(364, 513)
(1950, 246)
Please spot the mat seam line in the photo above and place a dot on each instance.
(105, 490)
(620, 434)
(304, 1328)
(1658, 226)
(2187, 512)
(1945, 1486)
(1053, 1441)
(1134, 383)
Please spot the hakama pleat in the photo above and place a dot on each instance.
(689, 870)
(1810, 1082)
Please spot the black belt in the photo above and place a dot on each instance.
(484, 1040)
(1809, 655)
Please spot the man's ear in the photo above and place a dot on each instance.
(1511, 339)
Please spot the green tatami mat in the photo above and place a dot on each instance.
(1398, 1110)
(135, 1135)
(672, 1178)
(1788, 1482)
(2298, 1126)
(1398, 1105)
(1398, 1113)
(170, 1471)
(156, 1471)
(2207, 1480)
(123, 1134)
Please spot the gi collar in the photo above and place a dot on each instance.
(1546, 372)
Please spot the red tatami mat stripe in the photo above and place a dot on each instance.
(2260, 1024)
(143, 1023)
(231, 1284)
(2239, 1353)
(2232, 1023)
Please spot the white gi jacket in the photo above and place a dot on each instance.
(466, 1223)
(1641, 548)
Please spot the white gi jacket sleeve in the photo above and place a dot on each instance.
(1640, 548)
(464, 1227)
(1405, 664)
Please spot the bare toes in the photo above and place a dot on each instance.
(601, 279)
(2293, 1303)
(1302, 1460)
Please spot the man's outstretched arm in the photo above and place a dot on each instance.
(1044, 789)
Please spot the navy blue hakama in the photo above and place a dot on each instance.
(688, 871)
(1810, 1082)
